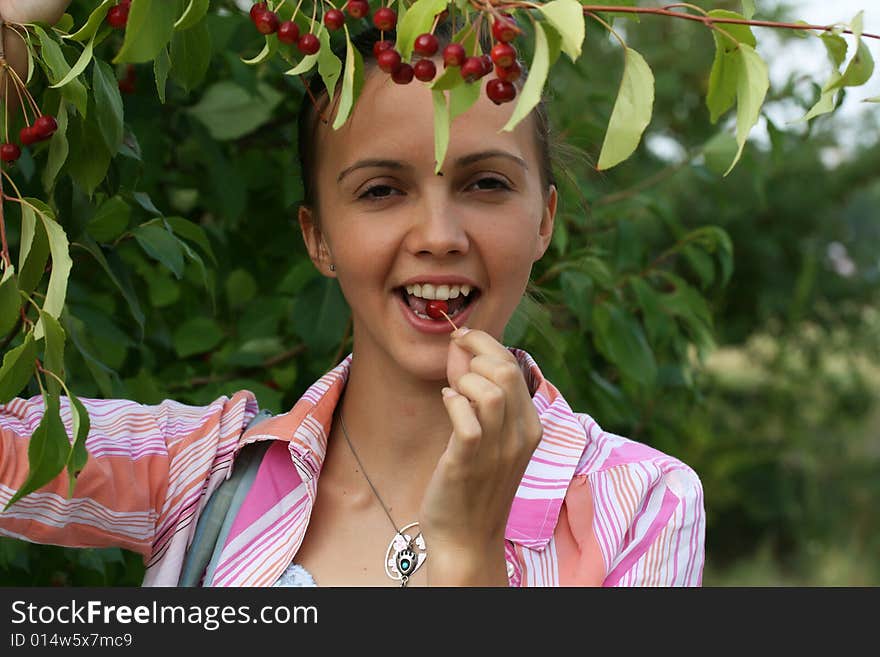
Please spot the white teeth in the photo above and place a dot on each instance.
(443, 292)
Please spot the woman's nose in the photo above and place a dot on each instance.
(437, 228)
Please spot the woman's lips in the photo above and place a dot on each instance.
(433, 325)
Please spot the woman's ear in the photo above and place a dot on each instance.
(314, 240)
(548, 216)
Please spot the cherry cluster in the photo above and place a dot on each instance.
(502, 58)
(42, 128)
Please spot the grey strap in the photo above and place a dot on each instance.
(220, 511)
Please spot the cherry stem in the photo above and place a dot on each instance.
(449, 320)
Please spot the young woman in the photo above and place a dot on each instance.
(424, 457)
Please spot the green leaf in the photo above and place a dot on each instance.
(61, 262)
(33, 251)
(77, 457)
(161, 245)
(578, 290)
(748, 8)
(80, 65)
(329, 65)
(17, 368)
(85, 136)
(112, 264)
(47, 450)
(320, 315)
(110, 220)
(58, 149)
(161, 68)
(229, 111)
(10, 301)
(194, 12)
(54, 58)
(631, 113)
(305, 65)
(240, 288)
(620, 338)
(836, 47)
(725, 70)
(95, 20)
(660, 326)
(108, 105)
(351, 81)
(530, 94)
(107, 379)
(269, 49)
(751, 89)
(53, 351)
(441, 128)
(719, 151)
(192, 232)
(196, 336)
(191, 55)
(858, 71)
(567, 16)
(149, 29)
(462, 97)
(418, 19)
(873, 99)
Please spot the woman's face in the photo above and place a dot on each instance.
(386, 219)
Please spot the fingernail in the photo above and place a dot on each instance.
(448, 392)
(460, 331)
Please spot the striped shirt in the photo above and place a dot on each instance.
(592, 509)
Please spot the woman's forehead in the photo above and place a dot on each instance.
(393, 121)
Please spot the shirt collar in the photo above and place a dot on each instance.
(535, 509)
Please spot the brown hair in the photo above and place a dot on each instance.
(314, 105)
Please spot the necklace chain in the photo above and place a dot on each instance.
(407, 570)
(375, 492)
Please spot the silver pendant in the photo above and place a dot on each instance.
(406, 554)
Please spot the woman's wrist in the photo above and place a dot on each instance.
(467, 566)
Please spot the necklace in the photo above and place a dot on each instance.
(406, 553)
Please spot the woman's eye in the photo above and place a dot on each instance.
(491, 184)
(378, 192)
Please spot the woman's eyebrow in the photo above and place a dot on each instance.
(462, 161)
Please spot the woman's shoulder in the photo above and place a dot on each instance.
(632, 464)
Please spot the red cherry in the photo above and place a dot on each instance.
(505, 29)
(487, 64)
(257, 9)
(357, 8)
(425, 45)
(503, 54)
(334, 19)
(385, 19)
(44, 127)
(403, 74)
(389, 60)
(454, 55)
(288, 32)
(117, 17)
(472, 69)
(425, 70)
(27, 136)
(510, 73)
(500, 91)
(308, 44)
(267, 22)
(9, 152)
(380, 46)
(433, 308)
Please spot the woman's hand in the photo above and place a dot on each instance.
(495, 430)
(25, 11)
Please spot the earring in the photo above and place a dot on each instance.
(332, 267)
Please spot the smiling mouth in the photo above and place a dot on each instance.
(454, 306)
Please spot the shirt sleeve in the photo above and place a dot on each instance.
(663, 544)
(148, 476)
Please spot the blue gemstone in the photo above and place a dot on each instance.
(404, 564)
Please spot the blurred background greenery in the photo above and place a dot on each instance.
(731, 322)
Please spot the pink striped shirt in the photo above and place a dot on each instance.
(593, 508)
